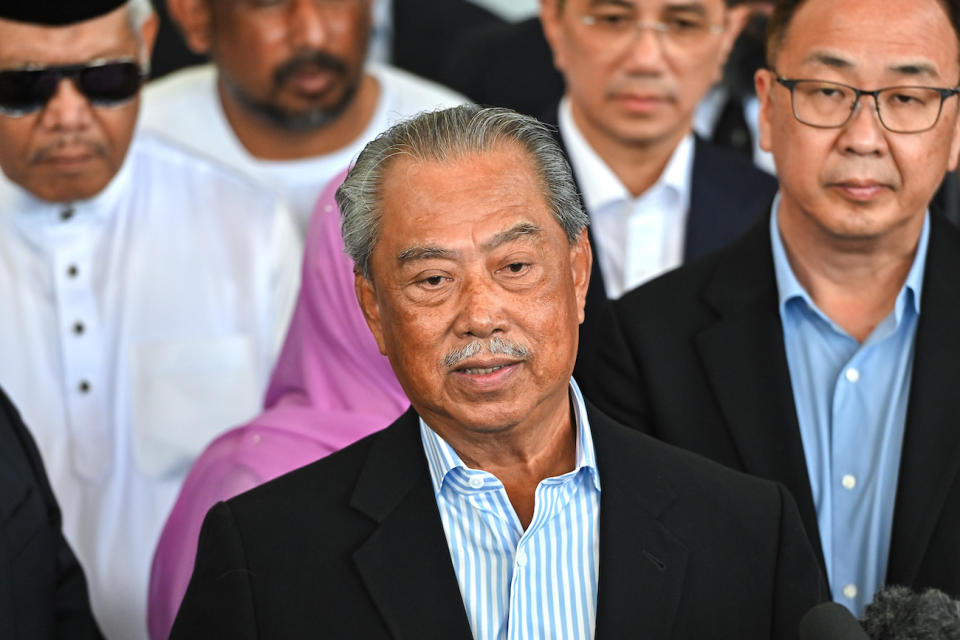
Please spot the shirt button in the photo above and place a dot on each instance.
(852, 374)
(850, 591)
(67, 213)
(521, 558)
(84, 386)
(849, 481)
(72, 271)
(78, 328)
(476, 482)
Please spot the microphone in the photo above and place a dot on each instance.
(830, 621)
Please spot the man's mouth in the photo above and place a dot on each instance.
(482, 371)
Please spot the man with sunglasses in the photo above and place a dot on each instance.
(289, 99)
(145, 290)
(635, 71)
(821, 349)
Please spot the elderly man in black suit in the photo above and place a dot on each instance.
(501, 505)
(821, 350)
(43, 593)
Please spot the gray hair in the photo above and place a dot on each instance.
(444, 136)
(138, 12)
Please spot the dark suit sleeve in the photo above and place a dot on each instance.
(798, 584)
(72, 617)
(219, 598)
(610, 376)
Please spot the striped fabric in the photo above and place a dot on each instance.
(538, 583)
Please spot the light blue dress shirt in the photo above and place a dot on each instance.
(538, 583)
(851, 402)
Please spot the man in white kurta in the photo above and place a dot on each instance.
(289, 98)
(140, 319)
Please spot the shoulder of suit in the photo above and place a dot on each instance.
(689, 475)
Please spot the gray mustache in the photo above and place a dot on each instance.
(494, 346)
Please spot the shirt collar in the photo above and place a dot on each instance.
(442, 459)
(789, 288)
(598, 183)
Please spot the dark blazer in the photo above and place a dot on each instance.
(426, 32)
(43, 593)
(353, 546)
(506, 65)
(696, 358)
(727, 195)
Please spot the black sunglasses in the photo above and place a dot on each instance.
(103, 82)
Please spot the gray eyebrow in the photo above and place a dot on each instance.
(412, 254)
(516, 231)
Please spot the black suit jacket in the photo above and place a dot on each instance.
(43, 593)
(696, 358)
(353, 546)
(727, 195)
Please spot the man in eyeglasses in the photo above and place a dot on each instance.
(821, 349)
(145, 291)
(289, 98)
(656, 195)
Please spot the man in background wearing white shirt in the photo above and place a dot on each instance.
(656, 195)
(288, 99)
(145, 290)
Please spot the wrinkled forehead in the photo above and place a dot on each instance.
(104, 37)
(872, 38)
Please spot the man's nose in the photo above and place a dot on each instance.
(481, 311)
(864, 134)
(68, 109)
(310, 22)
(646, 46)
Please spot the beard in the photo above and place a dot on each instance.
(311, 118)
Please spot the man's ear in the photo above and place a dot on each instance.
(954, 143)
(736, 20)
(764, 83)
(193, 19)
(367, 299)
(581, 263)
(148, 34)
(550, 11)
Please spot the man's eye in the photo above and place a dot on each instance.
(517, 267)
(432, 281)
(611, 20)
(680, 23)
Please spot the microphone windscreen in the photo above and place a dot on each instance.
(831, 621)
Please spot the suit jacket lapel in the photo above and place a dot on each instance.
(745, 362)
(931, 449)
(405, 564)
(642, 565)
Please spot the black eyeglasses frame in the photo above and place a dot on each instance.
(791, 83)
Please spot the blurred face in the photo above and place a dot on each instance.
(477, 294)
(861, 180)
(296, 63)
(635, 86)
(69, 149)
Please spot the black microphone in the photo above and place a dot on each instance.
(831, 621)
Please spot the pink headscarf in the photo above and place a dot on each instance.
(331, 387)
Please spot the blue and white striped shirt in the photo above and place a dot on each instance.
(538, 583)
